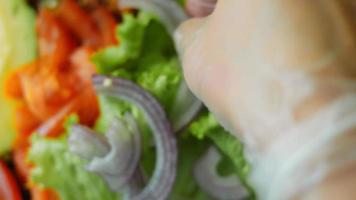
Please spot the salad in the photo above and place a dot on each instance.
(94, 106)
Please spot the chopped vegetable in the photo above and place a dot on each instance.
(79, 22)
(9, 189)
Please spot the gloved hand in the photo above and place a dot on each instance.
(281, 76)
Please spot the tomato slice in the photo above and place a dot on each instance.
(79, 22)
(13, 86)
(9, 189)
(26, 122)
(56, 42)
(106, 24)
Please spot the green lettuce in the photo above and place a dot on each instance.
(142, 39)
(207, 127)
(59, 169)
(145, 55)
(185, 187)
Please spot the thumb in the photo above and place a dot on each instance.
(187, 33)
(204, 70)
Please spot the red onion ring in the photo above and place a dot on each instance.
(86, 143)
(118, 166)
(160, 184)
(221, 188)
(200, 8)
(115, 158)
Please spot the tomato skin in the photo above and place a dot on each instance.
(9, 189)
(79, 22)
(13, 86)
(56, 43)
(26, 122)
(106, 24)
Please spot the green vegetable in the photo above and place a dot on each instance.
(190, 150)
(206, 127)
(146, 55)
(142, 38)
(18, 46)
(181, 2)
(59, 169)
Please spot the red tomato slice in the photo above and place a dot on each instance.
(56, 43)
(79, 22)
(106, 24)
(9, 189)
(26, 122)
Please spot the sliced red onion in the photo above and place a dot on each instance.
(118, 166)
(200, 8)
(86, 143)
(160, 184)
(136, 183)
(169, 12)
(115, 158)
(221, 188)
(185, 108)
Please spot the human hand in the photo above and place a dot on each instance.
(278, 74)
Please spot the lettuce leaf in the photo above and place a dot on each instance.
(190, 150)
(145, 55)
(57, 168)
(207, 127)
(141, 38)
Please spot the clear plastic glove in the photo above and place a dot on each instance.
(280, 75)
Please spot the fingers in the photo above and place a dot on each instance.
(187, 33)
